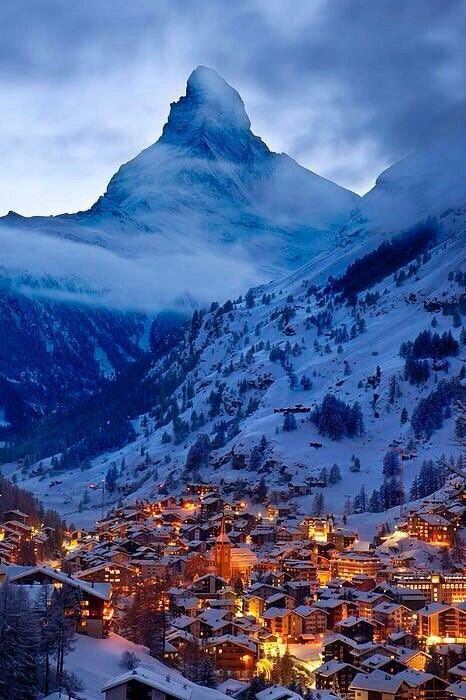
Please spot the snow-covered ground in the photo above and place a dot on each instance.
(96, 661)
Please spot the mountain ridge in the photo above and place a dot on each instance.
(209, 182)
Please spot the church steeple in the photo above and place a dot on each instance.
(223, 553)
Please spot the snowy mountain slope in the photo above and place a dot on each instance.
(427, 182)
(205, 211)
(229, 368)
(52, 352)
(209, 182)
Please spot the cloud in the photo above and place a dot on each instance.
(66, 271)
(345, 87)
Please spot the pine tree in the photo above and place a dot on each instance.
(263, 444)
(255, 459)
(335, 474)
(261, 492)
(249, 298)
(355, 464)
(374, 502)
(289, 422)
(206, 676)
(323, 476)
(286, 669)
(257, 684)
(391, 464)
(111, 478)
(318, 504)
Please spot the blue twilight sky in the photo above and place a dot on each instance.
(344, 86)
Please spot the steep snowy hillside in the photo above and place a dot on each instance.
(51, 352)
(209, 184)
(428, 182)
(305, 347)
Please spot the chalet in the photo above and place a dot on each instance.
(278, 621)
(359, 629)
(314, 620)
(207, 586)
(381, 662)
(96, 610)
(458, 672)
(301, 591)
(122, 578)
(413, 658)
(289, 534)
(432, 528)
(342, 539)
(299, 489)
(367, 601)
(379, 685)
(336, 676)
(340, 648)
(280, 600)
(188, 624)
(318, 528)
(439, 622)
(297, 570)
(18, 527)
(253, 605)
(143, 684)
(337, 609)
(424, 685)
(264, 590)
(235, 656)
(16, 515)
(363, 582)
(200, 489)
(393, 616)
(351, 563)
(277, 692)
(148, 568)
(263, 534)
(211, 505)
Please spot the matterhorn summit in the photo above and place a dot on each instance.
(210, 185)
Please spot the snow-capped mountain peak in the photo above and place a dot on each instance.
(210, 106)
(209, 187)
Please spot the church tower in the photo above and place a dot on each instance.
(222, 553)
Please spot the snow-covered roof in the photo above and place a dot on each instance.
(376, 680)
(415, 678)
(100, 590)
(277, 692)
(330, 667)
(240, 640)
(459, 670)
(273, 613)
(433, 608)
(458, 690)
(165, 684)
(231, 686)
